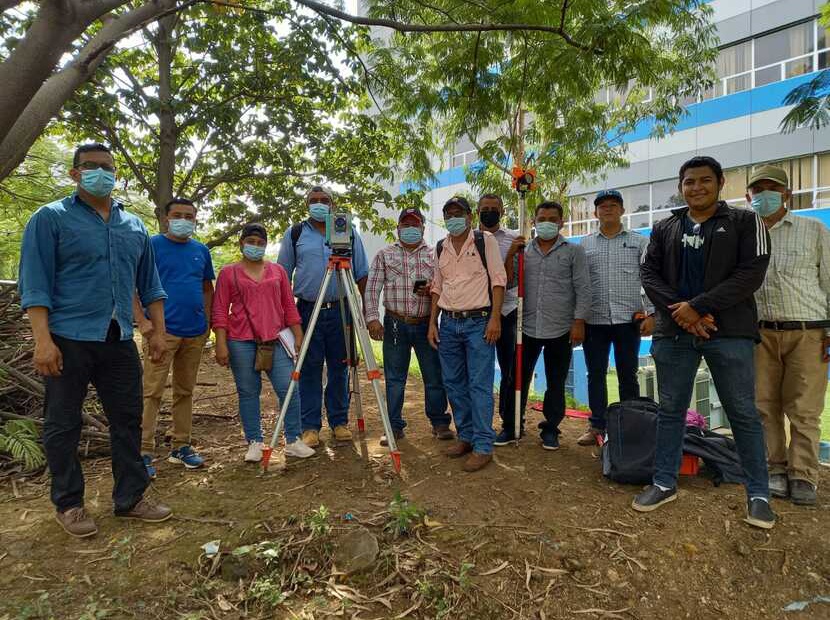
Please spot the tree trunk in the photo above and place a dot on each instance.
(168, 132)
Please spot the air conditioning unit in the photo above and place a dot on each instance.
(704, 397)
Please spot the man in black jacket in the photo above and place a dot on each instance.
(701, 269)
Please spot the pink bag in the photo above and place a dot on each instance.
(693, 418)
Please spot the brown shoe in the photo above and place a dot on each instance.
(477, 461)
(589, 437)
(77, 522)
(443, 432)
(459, 449)
(311, 438)
(342, 433)
(147, 510)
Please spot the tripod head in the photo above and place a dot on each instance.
(339, 233)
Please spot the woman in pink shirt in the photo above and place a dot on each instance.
(254, 301)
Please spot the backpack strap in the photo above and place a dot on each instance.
(478, 239)
(296, 231)
(439, 247)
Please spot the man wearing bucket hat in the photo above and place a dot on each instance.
(791, 361)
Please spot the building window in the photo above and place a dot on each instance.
(790, 44)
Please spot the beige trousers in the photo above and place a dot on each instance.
(790, 382)
(184, 355)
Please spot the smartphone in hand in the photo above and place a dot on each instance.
(418, 284)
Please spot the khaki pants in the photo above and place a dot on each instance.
(791, 381)
(184, 354)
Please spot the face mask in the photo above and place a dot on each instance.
(318, 211)
(767, 202)
(410, 234)
(253, 252)
(98, 182)
(547, 230)
(181, 228)
(456, 225)
(489, 218)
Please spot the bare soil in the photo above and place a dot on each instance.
(536, 534)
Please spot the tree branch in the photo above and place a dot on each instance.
(220, 239)
(116, 143)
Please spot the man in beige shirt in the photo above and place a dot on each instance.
(791, 361)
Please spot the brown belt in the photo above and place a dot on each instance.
(409, 320)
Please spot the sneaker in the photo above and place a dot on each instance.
(477, 461)
(802, 493)
(398, 434)
(186, 456)
(148, 511)
(342, 433)
(77, 522)
(311, 438)
(254, 453)
(298, 449)
(652, 498)
(589, 437)
(148, 465)
(443, 432)
(759, 513)
(459, 449)
(779, 486)
(550, 442)
(504, 438)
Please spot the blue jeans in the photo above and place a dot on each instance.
(399, 339)
(468, 368)
(598, 340)
(327, 344)
(730, 361)
(249, 386)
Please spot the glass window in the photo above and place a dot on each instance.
(768, 75)
(738, 83)
(784, 44)
(824, 170)
(734, 187)
(823, 38)
(734, 59)
(799, 66)
(665, 195)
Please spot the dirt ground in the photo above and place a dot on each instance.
(537, 534)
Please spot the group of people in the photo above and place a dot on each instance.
(747, 289)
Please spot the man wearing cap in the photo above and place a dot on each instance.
(468, 291)
(791, 361)
(404, 271)
(305, 256)
(619, 313)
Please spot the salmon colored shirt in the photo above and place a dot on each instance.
(460, 280)
(269, 303)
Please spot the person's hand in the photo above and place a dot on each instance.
(825, 349)
(703, 328)
(222, 354)
(684, 315)
(48, 359)
(647, 326)
(432, 335)
(425, 290)
(577, 333)
(493, 331)
(298, 344)
(518, 244)
(375, 330)
(157, 345)
(145, 328)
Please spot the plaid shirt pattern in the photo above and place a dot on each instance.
(394, 271)
(614, 263)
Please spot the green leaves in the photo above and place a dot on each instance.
(19, 439)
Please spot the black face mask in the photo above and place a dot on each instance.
(489, 218)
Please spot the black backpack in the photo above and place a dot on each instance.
(631, 439)
(718, 452)
(478, 239)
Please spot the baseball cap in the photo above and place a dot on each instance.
(254, 230)
(412, 211)
(460, 201)
(608, 193)
(768, 173)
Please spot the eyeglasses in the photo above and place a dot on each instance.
(91, 165)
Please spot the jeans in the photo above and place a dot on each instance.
(730, 361)
(598, 340)
(249, 387)
(557, 355)
(506, 354)
(468, 368)
(114, 368)
(327, 344)
(399, 339)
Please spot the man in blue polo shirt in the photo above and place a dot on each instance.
(81, 261)
(304, 254)
(186, 272)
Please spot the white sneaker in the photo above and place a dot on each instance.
(254, 453)
(299, 449)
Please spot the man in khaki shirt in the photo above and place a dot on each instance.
(791, 361)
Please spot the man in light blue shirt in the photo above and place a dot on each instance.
(305, 255)
(81, 260)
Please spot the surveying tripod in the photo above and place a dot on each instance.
(340, 266)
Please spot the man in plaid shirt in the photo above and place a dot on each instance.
(403, 271)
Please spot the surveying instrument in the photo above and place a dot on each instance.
(339, 236)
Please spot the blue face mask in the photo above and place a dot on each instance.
(181, 228)
(253, 252)
(767, 202)
(410, 234)
(318, 211)
(98, 182)
(456, 225)
(547, 230)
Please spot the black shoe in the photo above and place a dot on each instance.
(759, 513)
(779, 486)
(550, 442)
(652, 498)
(398, 434)
(504, 438)
(802, 493)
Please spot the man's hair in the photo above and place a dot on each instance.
(318, 189)
(703, 161)
(178, 201)
(92, 147)
(550, 204)
(491, 196)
